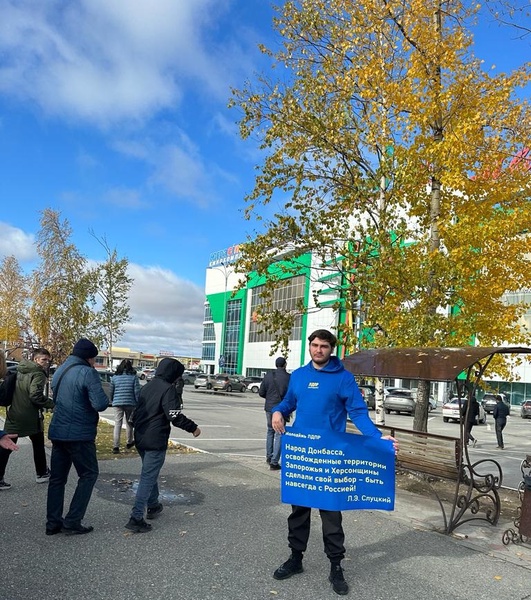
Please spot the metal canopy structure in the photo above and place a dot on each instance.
(476, 493)
(429, 364)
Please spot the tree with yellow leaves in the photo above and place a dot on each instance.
(62, 290)
(13, 302)
(400, 164)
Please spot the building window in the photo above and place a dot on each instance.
(232, 336)
(285, 299)
(208, 312)
(209, 352)
(209, 334)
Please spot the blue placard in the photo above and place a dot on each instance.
(337, 471)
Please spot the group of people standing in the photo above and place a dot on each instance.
(78, 398)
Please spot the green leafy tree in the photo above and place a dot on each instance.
(400, 164)
(62, 290)
(13, 302)
(113, 290)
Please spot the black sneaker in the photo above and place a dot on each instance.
(154, 512)
(339, 585)
(77, 530)
(138, 525)
(129, 446)
(292, 566)
(116, 450)
(4, 485)
(273, 467)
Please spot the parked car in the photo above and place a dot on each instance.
(525, 409)
(451, 411)
(146, 374)
(368, 393)
(400, 400)
(203, 380)
(106, 377)
(253, 383)
(489, 402)
(189, 377)
(432, 403)
(228, 383)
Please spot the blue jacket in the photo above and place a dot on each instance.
(324, 397)
(125, 389)
(79, 399)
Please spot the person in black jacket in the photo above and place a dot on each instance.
(500, 412)
(159, 407)
(273, 388)
(471, 416)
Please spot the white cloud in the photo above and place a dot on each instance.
(104, 61)
(166, 312)
(17, 243)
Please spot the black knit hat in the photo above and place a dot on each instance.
(85, 349)
(280, 362)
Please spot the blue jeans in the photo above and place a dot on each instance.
(147, 493)
(272, 441)
(65, 454)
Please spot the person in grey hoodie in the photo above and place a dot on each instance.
(125, 389)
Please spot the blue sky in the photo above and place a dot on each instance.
(115, 114)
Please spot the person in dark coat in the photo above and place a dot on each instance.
(79, 397)
(273, 388)
(471, 418)
(158, 408)
(24, 418)
(500, 413)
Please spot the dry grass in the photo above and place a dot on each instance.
(104, 441)
(510, 500)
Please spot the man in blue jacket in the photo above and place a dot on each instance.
(79, 397)
(323, 393)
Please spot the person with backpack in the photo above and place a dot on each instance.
(24, 416)
(273, 388)
(125, 389)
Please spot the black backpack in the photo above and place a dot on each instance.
(7, 389)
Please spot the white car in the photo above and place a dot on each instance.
(451, 411)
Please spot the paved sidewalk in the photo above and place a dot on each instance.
(223, 532)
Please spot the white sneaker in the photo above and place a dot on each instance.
(43, 478)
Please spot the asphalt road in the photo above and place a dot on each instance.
(235, 425)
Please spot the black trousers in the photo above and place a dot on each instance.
(333, 535)
(499, 427)
(39, 455)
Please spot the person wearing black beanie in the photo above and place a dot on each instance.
(79, 397)
(85, 349)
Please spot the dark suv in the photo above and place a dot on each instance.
(489, 402)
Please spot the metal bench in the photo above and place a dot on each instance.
(433, 457)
